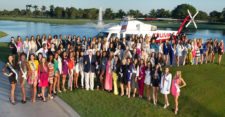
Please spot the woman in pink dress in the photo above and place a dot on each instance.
(50, 75)
(43, 76)
(194, 48)
(141, 78)
(108, 79)
(177, 83)
(19, 46)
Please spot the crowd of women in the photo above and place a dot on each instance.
(65, 63)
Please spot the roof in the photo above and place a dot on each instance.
(132, 26)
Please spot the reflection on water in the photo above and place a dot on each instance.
(14, 28)
(23, 29)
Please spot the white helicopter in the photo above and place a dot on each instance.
(129, 27)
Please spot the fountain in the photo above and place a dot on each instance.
(100, 19)
(99, 24)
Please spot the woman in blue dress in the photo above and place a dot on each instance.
(128, 77)
(171, 53)
(166, 52)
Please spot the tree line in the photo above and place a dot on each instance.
(178, 12)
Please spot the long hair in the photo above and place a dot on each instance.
(8, 58)
(32, 55)
(48, 59)
(45, 64)
(179, 74)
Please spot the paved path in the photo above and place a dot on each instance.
(51, 108)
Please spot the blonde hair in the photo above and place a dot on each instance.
(124, 61)
(178, 74)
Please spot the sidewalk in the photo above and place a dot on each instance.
(51, 108)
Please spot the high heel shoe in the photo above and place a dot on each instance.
(166, 105)
(54, 92)
(39, 96)
(149, 99)
(64, 89)
(50, 97)
(43, 99)
(12, 102)
(176, 111)
(23, 101)
(59, 91)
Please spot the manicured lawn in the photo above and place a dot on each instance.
(2, 34)
(4, 51)
(203, 96)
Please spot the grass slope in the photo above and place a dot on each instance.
(4, 51)
(2, 34)
(203, 96)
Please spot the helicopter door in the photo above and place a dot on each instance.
(122, 35)
(108, 37)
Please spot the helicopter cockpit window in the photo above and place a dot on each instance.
(128, 36)
(113, 35)
(103, 34)
(153, 28)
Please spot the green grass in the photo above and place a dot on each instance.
(2, 34)
(203, 96)
(4, 51)
(160, 24)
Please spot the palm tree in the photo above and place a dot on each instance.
(51, 12)
(35, 7)
(28, 12)
(29, 6)
(43, 9)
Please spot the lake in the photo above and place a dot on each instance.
(17, 28)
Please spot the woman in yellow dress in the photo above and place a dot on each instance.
(33, 79)
(189, 52)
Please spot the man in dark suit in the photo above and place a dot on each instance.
(89, 69)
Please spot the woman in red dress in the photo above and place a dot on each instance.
(70, 71)
(108, 79)
(43, 76)
(141, 78)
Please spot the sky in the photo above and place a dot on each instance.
(143, 5)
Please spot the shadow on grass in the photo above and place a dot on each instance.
(192, 108)
(103, 104)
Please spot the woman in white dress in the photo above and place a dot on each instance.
(43, 51)
(165, 86)
(76, 70)
(33, 45)
(179, 50)
(148, 80)
(26, 46)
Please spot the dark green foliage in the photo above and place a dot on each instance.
(180, 12)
